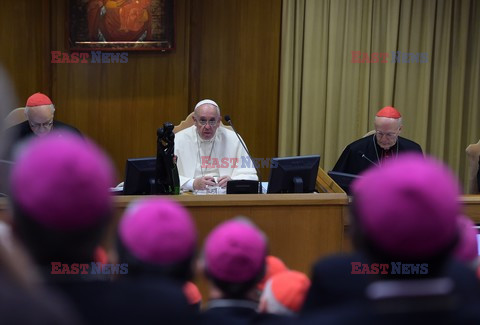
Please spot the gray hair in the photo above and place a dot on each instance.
(400, 120)
(28, 107)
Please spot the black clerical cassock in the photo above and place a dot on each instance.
(365, 153)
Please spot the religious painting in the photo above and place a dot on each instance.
(114, 25)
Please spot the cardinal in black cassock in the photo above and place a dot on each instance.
(372, 150)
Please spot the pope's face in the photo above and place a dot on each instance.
(40, 119)
(387, 131)
(207, 120)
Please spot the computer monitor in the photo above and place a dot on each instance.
(293, 174)
(477, 228)
(343, 180)
(139, 175)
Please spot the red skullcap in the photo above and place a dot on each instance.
(285, 292)
(38, 99)
(274, 265)
(389, 111)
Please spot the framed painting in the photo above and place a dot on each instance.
(114, 25)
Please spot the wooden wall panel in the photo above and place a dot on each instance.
(235, 54)
(24, 30)
(227, 50)
(122, 105)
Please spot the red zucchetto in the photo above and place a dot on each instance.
(389, 111)
(38, 99)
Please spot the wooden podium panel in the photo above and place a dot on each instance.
(300, 227)
(471, 207)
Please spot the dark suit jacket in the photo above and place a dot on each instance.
(338, 297)
(140, 300)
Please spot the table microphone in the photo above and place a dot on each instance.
(365, 157)
(229, 121)
(7, 162)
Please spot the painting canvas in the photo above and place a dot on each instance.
(113, 25)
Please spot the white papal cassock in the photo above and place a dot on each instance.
(227, 156)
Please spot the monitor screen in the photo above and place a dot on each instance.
(477, 227)
(139, 175)
(293, 174)
(343, 180)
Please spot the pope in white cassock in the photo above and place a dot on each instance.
(209, 154)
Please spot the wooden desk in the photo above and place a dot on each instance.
(300, 227)
(471, 207)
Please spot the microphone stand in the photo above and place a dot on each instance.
(229, 121)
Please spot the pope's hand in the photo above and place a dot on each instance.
(201, 183)
(222, 181)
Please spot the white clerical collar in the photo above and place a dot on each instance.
(202, 141)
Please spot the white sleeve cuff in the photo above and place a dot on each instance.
(188, 186)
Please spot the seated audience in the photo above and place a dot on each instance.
(62, 205)
(157, 239)
(273, 266)
(284, 293)
(404, 224)
(22, 288)
(233, 262)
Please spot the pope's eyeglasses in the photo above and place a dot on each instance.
(210, 122)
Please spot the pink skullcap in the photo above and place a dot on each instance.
(408, 207)
(38, 99)
(389, 111)
(235, 251)
(273, 266)
(467, 247)
(206, 101)
(285, 292)
(62, 181)
(158, 231)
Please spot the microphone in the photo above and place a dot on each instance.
(8, 162)
(229, 121)
(365, 157)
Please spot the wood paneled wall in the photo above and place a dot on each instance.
(226, 50)
(235, 48)
(24, 46)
